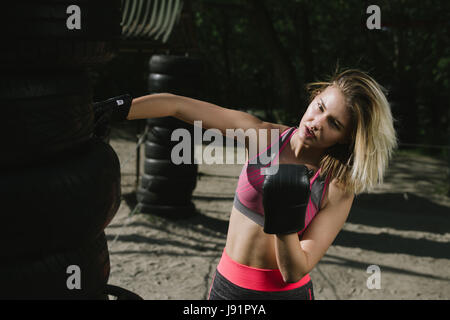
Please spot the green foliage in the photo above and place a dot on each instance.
(259, 55)
(411, 55)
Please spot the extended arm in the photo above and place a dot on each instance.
(190, 110)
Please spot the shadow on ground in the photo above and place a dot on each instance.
(331, 259)
(387, 210)
(197, 220)
(395, 211)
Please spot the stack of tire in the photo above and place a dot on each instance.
(166, 185)
(59, 185)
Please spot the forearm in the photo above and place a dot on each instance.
(292, 260)
(190, 110)
(153, 106)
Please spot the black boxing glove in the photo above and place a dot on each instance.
(116, 109)
(285, 198)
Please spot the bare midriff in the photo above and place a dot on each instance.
(248, 244)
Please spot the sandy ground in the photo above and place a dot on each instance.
(403, 228)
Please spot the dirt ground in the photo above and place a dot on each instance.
(403, 228)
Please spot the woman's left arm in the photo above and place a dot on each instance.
(297, 258)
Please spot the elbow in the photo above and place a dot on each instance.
(292, 277)
(293, 273)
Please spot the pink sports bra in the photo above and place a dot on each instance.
(248, 196)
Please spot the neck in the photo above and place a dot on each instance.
(305, 153)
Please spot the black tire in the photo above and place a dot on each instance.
(161, 83)
(56, 54)
(162, 136)
(60, 204)
(156, 151)
(99, 19)
(38, 36)
(167, 168)
(169, 123)
(43, 129)
(46, 277)
(27, 85)
(163, 198)
(45, 115)
(165, 184)
(175, 65)
(169, 212)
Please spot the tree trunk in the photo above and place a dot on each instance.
(406, 91)
(226, 56)
(287, 84)
(301, 22)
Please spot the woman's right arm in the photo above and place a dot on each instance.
(190, 110)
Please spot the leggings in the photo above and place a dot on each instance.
(234, 281)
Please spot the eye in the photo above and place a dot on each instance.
(333, 123)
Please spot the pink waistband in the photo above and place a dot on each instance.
(255, 278)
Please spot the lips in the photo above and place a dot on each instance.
(309, 132)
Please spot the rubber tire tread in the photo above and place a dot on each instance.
(28, 85)
(176, 65)
(161, 83)
(60, 204)
(169, 123)
(162, 136)
(166, 168)
(99, 19)
(38, 37)
(56, 54)
(165, 184)
(46, 277)
(44, 117)
(156, 151)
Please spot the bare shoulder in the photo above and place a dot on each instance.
(271, 125)
(274, 126)
(268, 127)
(336, 195)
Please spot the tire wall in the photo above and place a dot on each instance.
(165, 187)
(59, 185)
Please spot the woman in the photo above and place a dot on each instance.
(345, 139)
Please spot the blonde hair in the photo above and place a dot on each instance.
(361, 164)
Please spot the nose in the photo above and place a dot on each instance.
(318, 123)
(316, 126)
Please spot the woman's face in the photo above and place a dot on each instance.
(328, 118)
